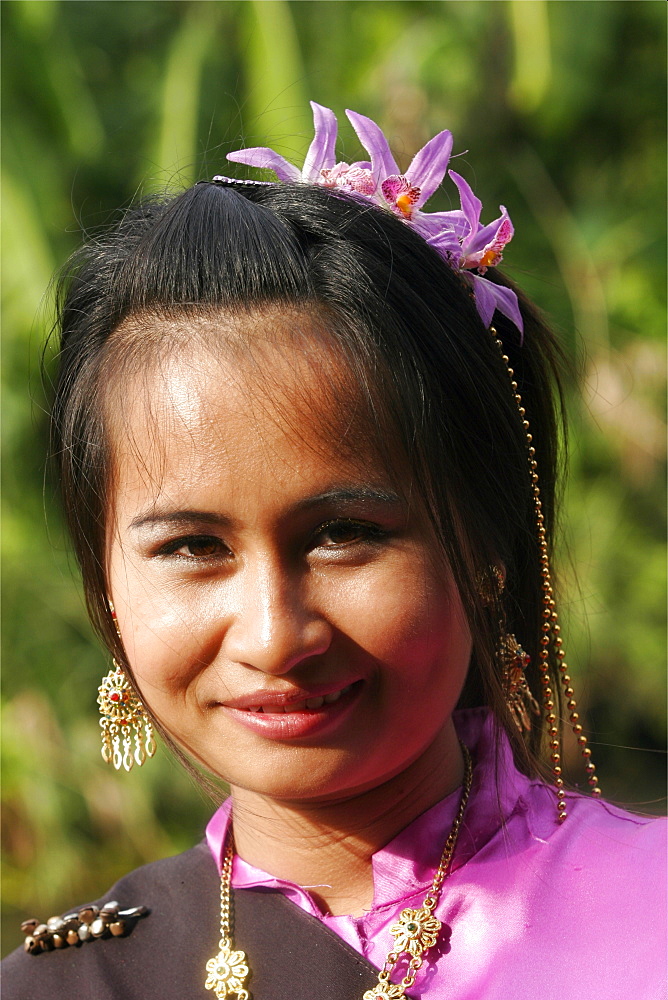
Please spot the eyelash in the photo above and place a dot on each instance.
(172, 548)
(365, 533)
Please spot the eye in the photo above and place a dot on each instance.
(344, 532)
(195, 547)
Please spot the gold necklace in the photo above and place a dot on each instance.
(414, 933)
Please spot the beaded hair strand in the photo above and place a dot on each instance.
(550, 625)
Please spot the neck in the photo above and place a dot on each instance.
(327, 846)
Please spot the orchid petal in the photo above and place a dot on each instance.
(446, 243)
(485, 299)
(429, 165)
(501, 231)
(507, 303)
(370, 135)
(448, 249)
(490, 297)
(321, 152)
(451, 224)
(471, 206)
(267, 159)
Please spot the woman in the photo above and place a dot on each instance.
(311, 489)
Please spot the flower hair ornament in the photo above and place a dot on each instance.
(459, 237)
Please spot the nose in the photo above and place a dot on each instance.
(272, 627)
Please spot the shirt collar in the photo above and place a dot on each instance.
(409, 860)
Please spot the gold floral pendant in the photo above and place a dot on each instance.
(415, 931)
(227, 972)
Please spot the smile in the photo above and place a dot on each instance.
(281, 717)
(308, 704)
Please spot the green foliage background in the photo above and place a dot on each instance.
(561, 106)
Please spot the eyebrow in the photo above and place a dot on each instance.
(350, 495)
(337, 496)
(179, 517)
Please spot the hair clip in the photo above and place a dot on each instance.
(235, 181)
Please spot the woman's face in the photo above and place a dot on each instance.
(281, 607)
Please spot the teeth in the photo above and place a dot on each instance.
(298, 706)
(301, 706)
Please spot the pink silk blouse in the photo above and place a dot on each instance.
(532, 909)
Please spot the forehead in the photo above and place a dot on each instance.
(268, 395)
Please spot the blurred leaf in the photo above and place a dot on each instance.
(533, 63)
(181, 91)
(276, 85)
(72, 99)
(28, 262)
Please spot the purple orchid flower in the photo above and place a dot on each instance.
(405, 194)
(320, 166)
(479, 247)
(320, 153)
(466, 245)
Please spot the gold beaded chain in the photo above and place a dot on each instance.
(550, 626)
(414, 933)
(227, 972)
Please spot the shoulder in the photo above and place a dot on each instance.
(602, 853)
(175, 896)
(592, 887)
(613, 830)
(594, 823)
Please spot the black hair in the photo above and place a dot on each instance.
(416, 350)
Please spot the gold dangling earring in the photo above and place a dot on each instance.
(519, 698)
(121, 713)
(512, 658)
(550, 627)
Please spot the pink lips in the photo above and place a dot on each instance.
(290, 715)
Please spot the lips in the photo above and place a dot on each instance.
(307, 704)
(296, 714)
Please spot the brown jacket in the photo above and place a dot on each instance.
(292, 956)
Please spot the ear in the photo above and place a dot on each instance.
(491, 583)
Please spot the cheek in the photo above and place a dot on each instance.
(415, 629)
(158, 624)
(411, 621)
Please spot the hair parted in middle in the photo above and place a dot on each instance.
(417, 358)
